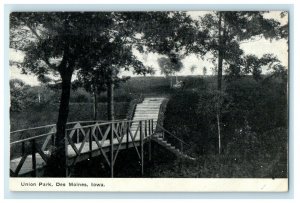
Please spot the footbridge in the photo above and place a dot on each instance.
(31, 148)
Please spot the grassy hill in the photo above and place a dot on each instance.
(81, 106)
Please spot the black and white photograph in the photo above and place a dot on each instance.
(136, 95)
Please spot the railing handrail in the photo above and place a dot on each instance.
(165, 130)
(107, 123)
(32, 138)
(33, 128)
(87, 126)
(53, 125)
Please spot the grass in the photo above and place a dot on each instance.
(81, 107)
(45, 115)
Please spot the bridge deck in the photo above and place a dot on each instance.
(85, 154)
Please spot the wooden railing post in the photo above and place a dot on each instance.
(152, 129)
(181, 148)
(145, 129)
(23, 149)
(33, 154)
(127, 134)
(142, 147)
(152, 132)
(149, 124)
(90, 143)
(150, 137)
(53, 139)
(77, 136)
(66, 153)
(112, 150)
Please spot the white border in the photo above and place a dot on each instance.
(149, 184)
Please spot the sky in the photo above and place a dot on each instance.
(259, 47)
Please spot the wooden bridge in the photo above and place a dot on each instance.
(31, 148)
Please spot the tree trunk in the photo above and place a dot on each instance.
(220, 53)
(219, 132)
(171, 82)
(110, 102)
(95, 105)
(56, 166)
(220, 70)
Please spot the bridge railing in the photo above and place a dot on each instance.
(107, 136)
(48, 130)
(32, 150)
(173, 139)
(29, 154)
(29, 132)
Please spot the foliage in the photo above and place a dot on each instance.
(169, 67)
(117, 56)
(226, 30)
(261, 105)
(168, 33)
(80, 95)
(247, 158)
(24, 96)
(211, 102)
(182, 120)
(254, 123)
(252, 64)
(17, 96)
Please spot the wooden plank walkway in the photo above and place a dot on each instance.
(26, 169)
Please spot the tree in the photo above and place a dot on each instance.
(173, 36)
(17, 94)
(193, 68)
(105, 75)
(227, 30)
(151, 36)
(93, 84)
(284, 29)
(211, 106)
(251, 64)
(204, 71)
(169, 67)
(23, 96)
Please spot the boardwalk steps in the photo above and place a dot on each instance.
(148, 109)
(160, 140)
